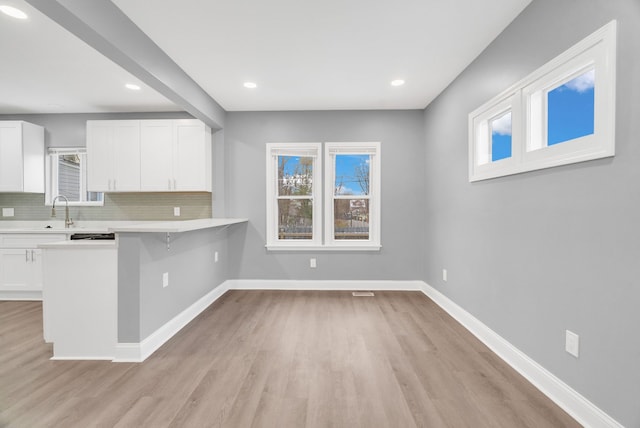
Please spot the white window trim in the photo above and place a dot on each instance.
(51, 167)
(373, 149)
(293, 149)
(480, 134)
(322, 203)
(595, 51)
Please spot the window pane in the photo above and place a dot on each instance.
(295, 219)
(94, 196)
(69, 177)
(295, 175)
(352, 174)
(570, 109)
(351, 218)
(501, 137)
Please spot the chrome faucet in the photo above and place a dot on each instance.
(67, 221)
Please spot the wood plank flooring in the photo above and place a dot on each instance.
(277, 359)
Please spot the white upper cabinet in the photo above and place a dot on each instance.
(156, 148)
(113, 155)
(21, 157)
(175, 156)
(166, 155)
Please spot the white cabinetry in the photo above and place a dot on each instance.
(80, 316)
(172, 155)
(21, 157)
(175, 156)
(21, 264)
(113, 155)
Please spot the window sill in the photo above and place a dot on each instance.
(316, 248)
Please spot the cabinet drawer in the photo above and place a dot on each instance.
(29, 240)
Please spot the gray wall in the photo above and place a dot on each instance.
(401, 137)
(143, 304)
(534, 254)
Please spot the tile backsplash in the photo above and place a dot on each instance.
(117, 207)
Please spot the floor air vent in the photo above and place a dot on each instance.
(363, 294)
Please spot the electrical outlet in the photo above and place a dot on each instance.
(572, 343)
(7, 212)
(176, 211)
(165, 279)
(215, 257)
(444, 275)
(312, 263)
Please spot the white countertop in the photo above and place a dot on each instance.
(177, 226)
(117, 226)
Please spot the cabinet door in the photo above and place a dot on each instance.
(11, 163)
(100, 156)
(156, 157)
(126, 147)
(18, 270)
(190, 156)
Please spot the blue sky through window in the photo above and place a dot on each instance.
(501, 137)
(351, 173)
(291, 163)
(570, 109)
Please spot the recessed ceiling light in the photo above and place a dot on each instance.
(132, 87)
(13, 12)
(397, 82)
(250, 85)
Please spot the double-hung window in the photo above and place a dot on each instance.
(339, 211)
(294, 207)
(562, 113)
(352, 204)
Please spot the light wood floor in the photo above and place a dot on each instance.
(277, 359)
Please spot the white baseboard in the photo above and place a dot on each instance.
(21, 295)
(581, 409)
(138, 352)
(292, 284)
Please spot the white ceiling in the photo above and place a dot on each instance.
(304, 55)
(46, 69)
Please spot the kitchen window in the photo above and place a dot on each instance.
(67, 176)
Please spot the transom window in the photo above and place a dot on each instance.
(562, 113)
(300, 215)
(570, 109)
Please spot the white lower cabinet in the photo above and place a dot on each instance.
(20, 269)
(21, 264)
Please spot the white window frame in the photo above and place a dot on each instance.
(274, 150)
(527, 99)
(51, 188)
(481, 164)
(358, 148)
(322, 196)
